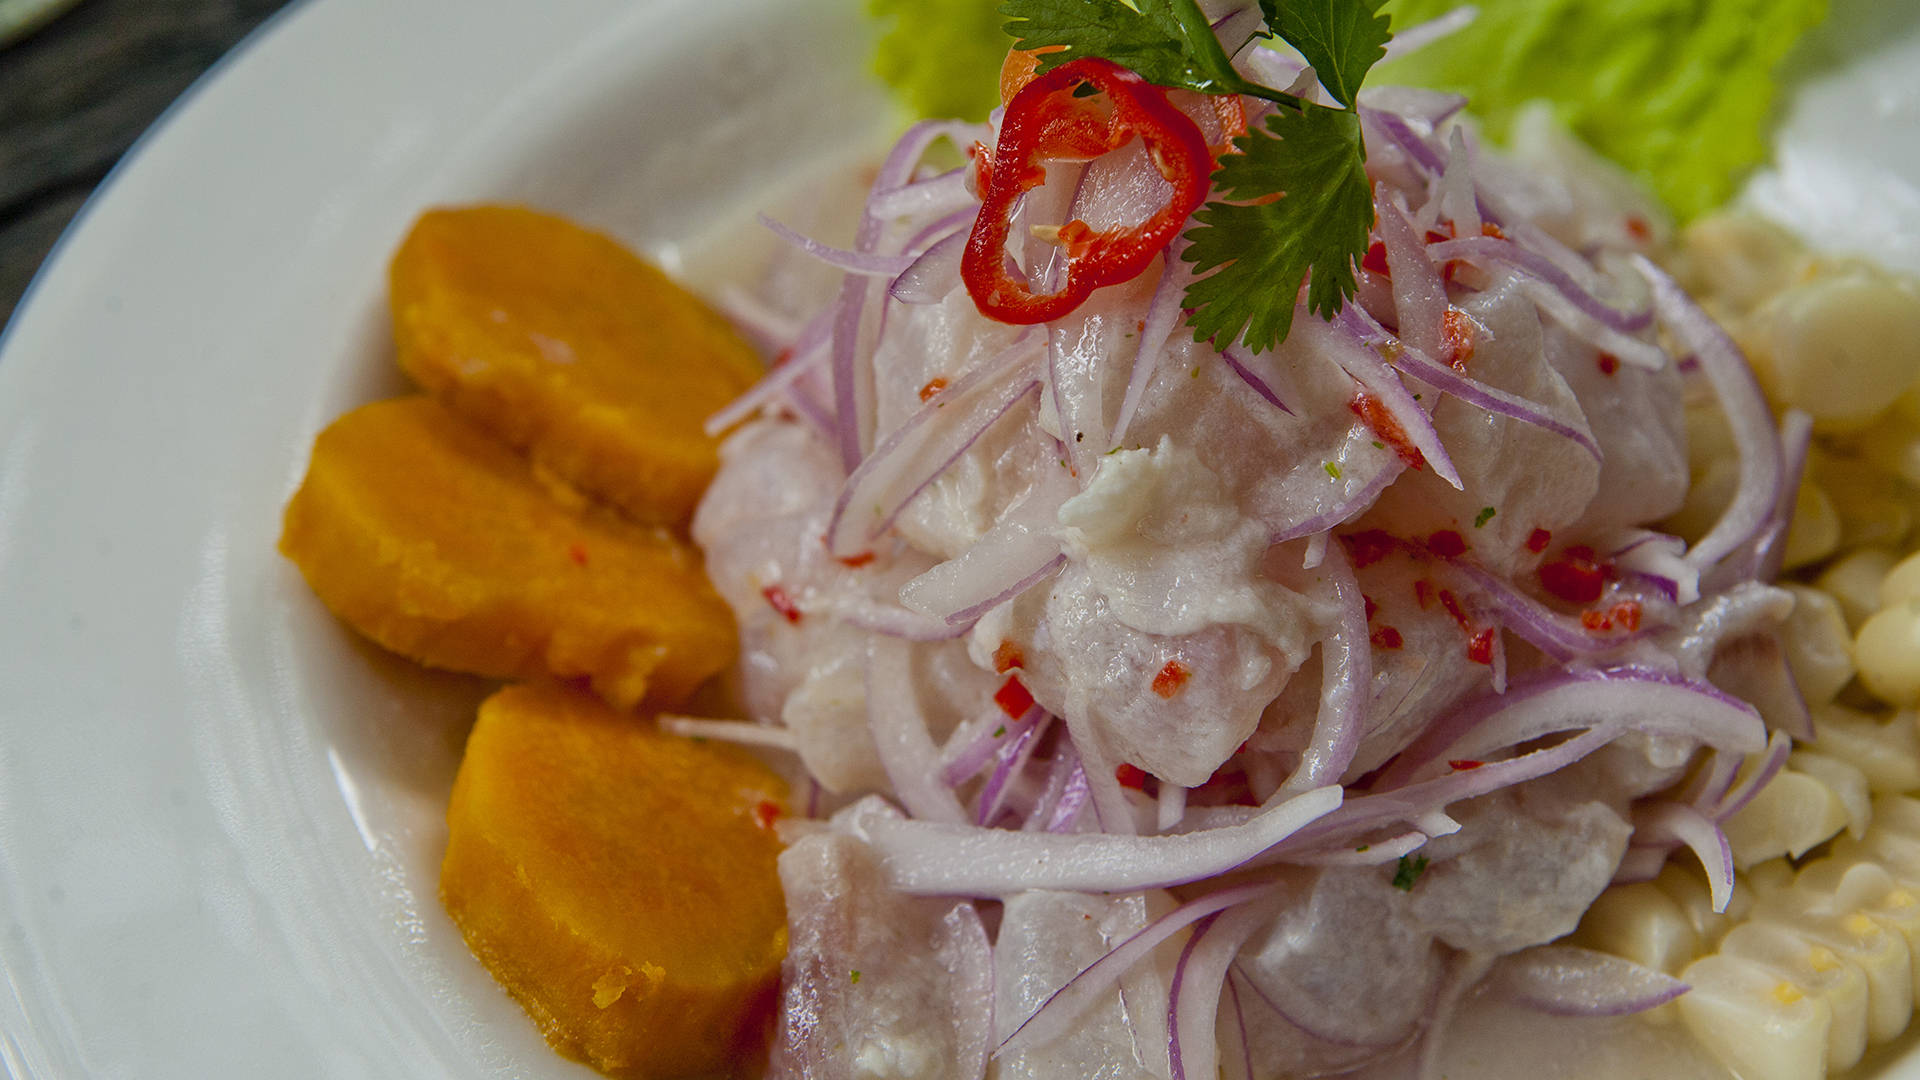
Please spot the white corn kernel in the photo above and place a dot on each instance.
(1790, 816)
(1842, 346)
(1902, 583)
(1816, 528)
(1641, 923)
(1819, 646)
(1847, 783)
(1813, 969)
(1887, 653)
(1887, 752)
(1854, 583)
(1739, 1012)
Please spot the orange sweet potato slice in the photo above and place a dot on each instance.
(436, 541)
(560, 341)
(620, 883)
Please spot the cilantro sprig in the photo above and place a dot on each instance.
(1294, 203)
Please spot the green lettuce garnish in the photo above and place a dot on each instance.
(941, 56)
(1680, 92)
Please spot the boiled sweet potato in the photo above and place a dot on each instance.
(436, 541)
(569, 347)
(620, 883)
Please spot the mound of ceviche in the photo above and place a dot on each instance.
(1204, 560)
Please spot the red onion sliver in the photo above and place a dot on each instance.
(1557, 635)
(1346, 681)
(1493, 249)
(935, 858)
(1419, 295)
(808, 351)
(853, 262)
(964, 949)
(1567, 981)
(1014, 555)
(1163, 314)
(1745, 407)
(899, 468)
(1374, 854)
(1355, 505)
(1796, 438)
(1365, 367)
(942, 194)
(934, 274)
(1001, 732)
(1073, 799)
(907, 751)
(1678, 821)
(1056, 1015)
(1472, 391)
(886, 619)
(1242, 365)
(1199, 976)
(1764, 770)
(1011, 758)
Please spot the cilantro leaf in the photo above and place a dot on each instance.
(1341, 38)
(1263, 250)
(1168, 42)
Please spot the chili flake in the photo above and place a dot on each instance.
(1172, 679)
(855, 562)
(1464, 764)
(1576, 576)
(1131, 776)
(766, 812)
(1369, 547)
(782, 603)
(1447, 544)
(1386, 638)
(934, 386)
(1013, 697)
(1538, 540)
(1007, 656)
(1480, 649)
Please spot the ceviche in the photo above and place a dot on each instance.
(1241, 577)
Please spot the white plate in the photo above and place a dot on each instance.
(220, 815)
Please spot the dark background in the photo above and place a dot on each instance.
(75, 94)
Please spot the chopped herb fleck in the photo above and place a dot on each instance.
(1411, 867)
(1364, 847)
(1195, 373)
(1378, 445)
(1333, 469)
(999, 731)
(1485, 515)
(856, 975)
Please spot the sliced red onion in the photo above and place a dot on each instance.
(1316, 552)
(1354, 505)
(808, 351)
(1245, 1058)
(1420, 35)
(1472, 391)
(1404, 103)
(916, 453)
(934, 274)
(1242, 364)
(936, 195)
(1018, 552)
(1073, 799)
(896, 172)
(997, 733)
(1567, 981)
(936, 858)
(1457, 199)
(887, 619)
(1112, 811)
(1779, 746)
(964, 949)
(1163, 315)
(1346, 681)
(1754, 669)
(1549, 701)
(1395, 131)
(1483, 250)
(744, 732)
(853, 262)
(1199, 977)
(1365, 367)
(1171, 808)
(1377, 853)
(1056, 1015)
(852, 396)
(907, 751)
(1009, 759)
(1640, 864)
(1629, 349)
(1683, 823)
(1557, 635)
(1660, 560)
(1745, 407)
(1419, 295)
(1370, 813)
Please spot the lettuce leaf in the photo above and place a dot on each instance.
(942, 57)
(1680, 92)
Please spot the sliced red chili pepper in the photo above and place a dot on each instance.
(1447, 544)
(1464, 764)
(1132, 776)
(1372, 608)
(1375, 260)
(1576, 576)
(780, 601)
(1538, 540)
(1609, 363)
(1369, 547)
(1626, 613)
(1458, 329)
(1387, 637)
(1043, 121)
(855, 562)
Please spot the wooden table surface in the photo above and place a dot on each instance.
(74, 96)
